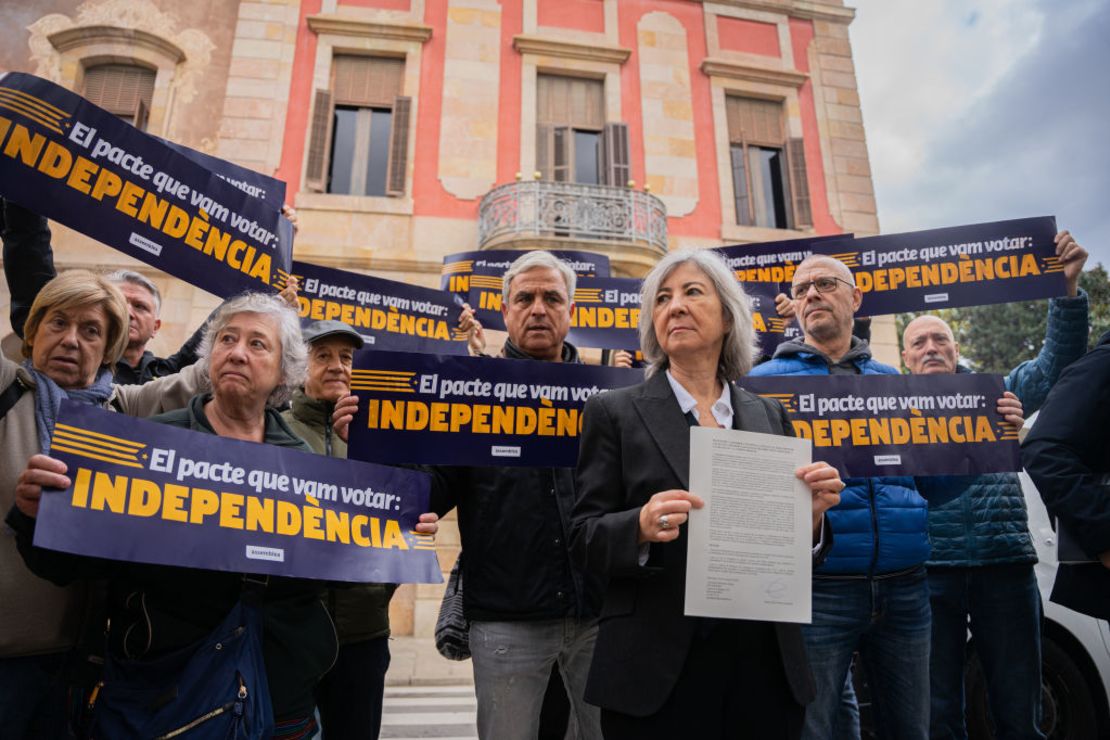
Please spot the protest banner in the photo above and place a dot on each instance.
(443, 410)
(771, 330)
(868, 425)
(270, 190)
(606, 311)
(151, 493)
(974, 265)
(772, 262)
(458, 267)
(65, 158)
(389, 315)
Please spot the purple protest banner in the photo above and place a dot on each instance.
(606, 310)
(65, 158)
(771, 330)
(606, 313)
(868, 425)
(151, 493)
(974, 265)
(442, 410)
(267, 189)
(458, 267)
(772, 262)
(389, 315)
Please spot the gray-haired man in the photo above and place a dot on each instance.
(529, 607)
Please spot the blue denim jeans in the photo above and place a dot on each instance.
(512, 667)
(1002, 605)
(33, 697)
(847, 725)
(887, 620)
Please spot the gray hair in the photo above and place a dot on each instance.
(130, 276)
(538, 259)
(738, 350)
(294, 354)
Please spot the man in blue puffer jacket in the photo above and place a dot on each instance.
(871, 593)
(981, 568)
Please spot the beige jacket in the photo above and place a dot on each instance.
(38, 617)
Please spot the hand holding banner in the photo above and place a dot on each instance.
(65, 158)
(868, 425)
(151, 493)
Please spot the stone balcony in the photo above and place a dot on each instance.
(630, 226)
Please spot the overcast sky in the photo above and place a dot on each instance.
(981, 110)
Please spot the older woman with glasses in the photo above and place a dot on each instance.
(657, 673)
(254, 357)
(75, 331)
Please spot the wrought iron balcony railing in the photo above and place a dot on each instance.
(543, 208)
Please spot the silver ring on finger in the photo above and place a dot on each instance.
(664, 522)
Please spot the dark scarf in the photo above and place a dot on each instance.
(513, 352)
(49, 395)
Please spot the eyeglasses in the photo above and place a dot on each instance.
(823, 285)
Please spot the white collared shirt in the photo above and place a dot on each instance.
(721, 410)
(723, 414)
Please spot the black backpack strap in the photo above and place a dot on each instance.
(10, 396)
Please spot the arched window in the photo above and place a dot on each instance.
(122, 89)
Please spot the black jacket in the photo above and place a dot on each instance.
(29, 265)
(1067, 454)
(636, 443)
(514, 523)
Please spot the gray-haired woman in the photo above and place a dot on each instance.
(657, 673)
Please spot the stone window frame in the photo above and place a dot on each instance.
(341, 34)
(546, 55)
(729, 78)
(82, 47)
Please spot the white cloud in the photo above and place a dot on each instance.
(986, 110)
(921, 64)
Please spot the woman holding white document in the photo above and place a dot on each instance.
(656, 672)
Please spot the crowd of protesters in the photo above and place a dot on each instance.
(574, 579)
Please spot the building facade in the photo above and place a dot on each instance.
(411, 129)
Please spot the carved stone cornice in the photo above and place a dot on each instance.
(795, 8)
(553, 47)
(715, 67)
(79, 36)
(342, 25)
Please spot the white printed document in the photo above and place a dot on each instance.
(750, 548)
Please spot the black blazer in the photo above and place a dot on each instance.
(1067, 454)
(636, 443)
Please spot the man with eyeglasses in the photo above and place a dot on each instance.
(871, 594)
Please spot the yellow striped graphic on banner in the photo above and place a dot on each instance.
(26, 112)
(453, 267)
